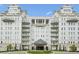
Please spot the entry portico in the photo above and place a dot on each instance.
(40, 45)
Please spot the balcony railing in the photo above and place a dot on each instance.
(72, 20)
(25, 23)
(54, 40)
(54, 23)
(40, 25)
(54, 44)
(54, 27)
(25, 32)
(25, 27)
(25, 36)
(25, 40)
(8, 20)
(55, 32)
(25, 43)
(55, 36)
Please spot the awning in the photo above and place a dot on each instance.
(40, 42)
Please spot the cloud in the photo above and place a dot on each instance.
(48, 13)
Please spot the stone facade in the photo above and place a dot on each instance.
(56, 32)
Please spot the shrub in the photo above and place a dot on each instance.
(39, 52)
(9, 47)
(73, 48)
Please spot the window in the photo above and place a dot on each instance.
(64, 37)
(1, 28)
(69, 42)
(40, 21)
(62, 28)
(78, 28)
(74, 28)
(61, 23)
(43, 20)
(47, 21)
(32, 39)
(78, 23)
(64, 42)
(73, 42)
(33, 21)
(1, 42)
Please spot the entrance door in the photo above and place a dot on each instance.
(39, 47)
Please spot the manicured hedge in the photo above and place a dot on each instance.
(39, 52)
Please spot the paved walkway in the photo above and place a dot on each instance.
(15, 52)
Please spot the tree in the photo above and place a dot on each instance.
(73, 48)
(9, 47)
(15, 48)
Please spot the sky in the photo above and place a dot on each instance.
(39, 9)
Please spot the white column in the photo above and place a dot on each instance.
(44, 47)
(35, 21)
(44, 21)
(34, 47)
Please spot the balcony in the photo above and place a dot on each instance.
(25, 27)
(25, 32)
(54, 27)
(25, 40)
(25, 36)
(40, 24)
(25, 23)
(25, 43)
(54, 36)
(8, 20)
(55, 32)
(54, 42)
(54, 23)
(72, 20)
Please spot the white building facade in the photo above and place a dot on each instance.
(57, 32)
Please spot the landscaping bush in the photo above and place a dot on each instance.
(73, 48)
(38, 52)
(9, 47)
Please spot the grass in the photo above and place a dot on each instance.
(14, 52)
(35, 52)
(57, 52)
(38, 52)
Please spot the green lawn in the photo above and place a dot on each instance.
(14, 52)
(57, 52)
(32, 52)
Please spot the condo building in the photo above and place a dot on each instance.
(56, 32)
